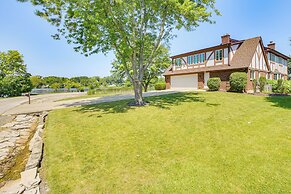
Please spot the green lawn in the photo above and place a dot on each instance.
(181, 143)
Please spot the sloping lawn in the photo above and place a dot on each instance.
(181, 143)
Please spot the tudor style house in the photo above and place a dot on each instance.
(192, 70)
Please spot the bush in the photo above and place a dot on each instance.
(91, 92)
(262, 83)
(255, 83)
(15, 85)
(238, 81)
(160, 86)
(214, 83)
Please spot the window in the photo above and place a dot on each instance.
(218, 55)
(202, 58)
(178, 62)
(196, 59)
(272, 57)
(190, 59)
(252, 75)
(275, 76)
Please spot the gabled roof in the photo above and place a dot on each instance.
(244, 55)
(241, 60)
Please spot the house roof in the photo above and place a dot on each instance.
(241, 60)
(244, 55)
(276, 53)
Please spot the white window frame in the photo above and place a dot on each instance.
(219, 55)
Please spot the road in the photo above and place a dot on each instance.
(46, 102)
(8, 104)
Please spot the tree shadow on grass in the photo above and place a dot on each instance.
(280, 101)
(162, 101)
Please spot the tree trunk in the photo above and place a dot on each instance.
(145, 88)
(137, 86)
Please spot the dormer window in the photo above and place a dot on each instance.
(218, 55)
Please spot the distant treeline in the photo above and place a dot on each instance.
(80, 82)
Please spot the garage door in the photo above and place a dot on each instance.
(184, 82)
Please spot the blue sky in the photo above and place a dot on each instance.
(22, 30)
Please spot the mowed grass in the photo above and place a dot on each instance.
(181, 143)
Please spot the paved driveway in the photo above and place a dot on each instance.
(47, 102)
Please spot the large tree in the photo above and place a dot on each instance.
(160, 63)
(133, 29)
(14, 78)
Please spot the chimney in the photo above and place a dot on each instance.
(225, 39)
(271, 45)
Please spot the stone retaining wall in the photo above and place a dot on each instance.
(30, 178)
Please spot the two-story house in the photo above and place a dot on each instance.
(191, 70)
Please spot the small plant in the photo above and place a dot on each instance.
(279, 86)
(238, 81)
(262, 83)
(91, 92)
(255, 83)
(160, 86)
(214, 83)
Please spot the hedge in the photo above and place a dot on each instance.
(160, 86)
(214, 83)
(238, 81)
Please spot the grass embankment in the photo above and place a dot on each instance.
(180, 143)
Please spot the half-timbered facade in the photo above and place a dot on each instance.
(192, 70)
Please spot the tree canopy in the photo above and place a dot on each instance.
(14, 78)
(133, 29)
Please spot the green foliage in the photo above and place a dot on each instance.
(238, 81)
(37, 81)
(11, 64)
(289, 68)
(160, 86)
(15, 85)
(262, 83)
(214, 83)
(55, 86)
(134, 30)
(255, 83)
(151, 75)
(14, 78)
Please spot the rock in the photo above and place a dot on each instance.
(14, 187)
(9, 125)
(6, 144)
(28, 177)
(32, 191)
(20, 118)
(35, 156)
(36, 138)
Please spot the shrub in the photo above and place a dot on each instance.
(160, 86)
(262, 83)
(238, 81)
(214, 83)
(273, 83)
(91, 92)
(255, 82)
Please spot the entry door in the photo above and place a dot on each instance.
(206, 77)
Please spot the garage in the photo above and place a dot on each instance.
(184, 82)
